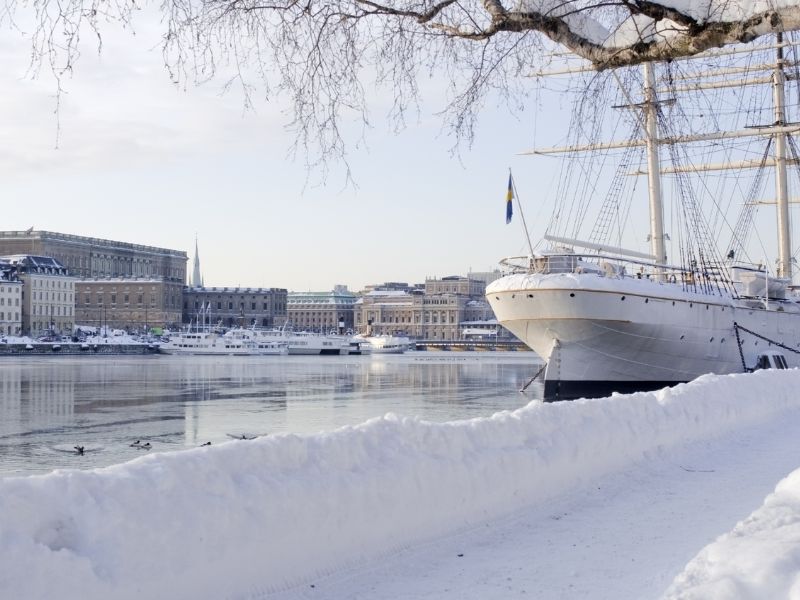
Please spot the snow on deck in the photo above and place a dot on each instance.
(249, 517)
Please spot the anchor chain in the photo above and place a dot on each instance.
(737, 327)
(739, 344)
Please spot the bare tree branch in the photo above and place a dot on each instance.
(328, 56)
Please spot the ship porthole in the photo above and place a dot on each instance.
(572, 294)
(722, 341)
(711, 340)
(646, 300)
(622, 298)
(530, 295)
(683, 336)
(673, 303)
(706, 306)
(690, 305)
(497, 297)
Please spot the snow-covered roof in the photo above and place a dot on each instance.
(395, 293)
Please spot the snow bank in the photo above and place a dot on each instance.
(253, 516)
(759, 559)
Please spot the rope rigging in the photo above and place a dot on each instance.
(744, 224)
(703, 258)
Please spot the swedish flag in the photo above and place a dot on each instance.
(509, 200)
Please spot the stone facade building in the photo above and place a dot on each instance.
(460, 286)
(235, 306)
(10, 301)
(435, 311)
(88, 257)
(322, 311)
(106, 268)
(48, 295)
(128, 303)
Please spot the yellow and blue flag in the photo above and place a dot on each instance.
(509, 200)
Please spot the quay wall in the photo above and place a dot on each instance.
(74, 349)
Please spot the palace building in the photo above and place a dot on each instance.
(114, 284)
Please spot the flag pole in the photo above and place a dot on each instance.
(521, 214)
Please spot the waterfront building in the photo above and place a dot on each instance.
(104, 268)
(48, 294)
(455, 284)
(433, 311)
(10, 301)
(133, 304)
(90, 258)
(385, 312)
(393, 286)
(322, 311)
(235, 306)
(439, 316)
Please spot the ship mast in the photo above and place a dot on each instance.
(779, 130)
(781, 182)
(653, 169)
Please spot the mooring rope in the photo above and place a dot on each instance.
(539, 372)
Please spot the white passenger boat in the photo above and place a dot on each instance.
(215, 343)
(302, 342)
(607, 319)
(384, 344)
(358, 346)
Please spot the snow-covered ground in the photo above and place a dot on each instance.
(605, 498)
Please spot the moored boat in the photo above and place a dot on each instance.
(384, 344)
(302, 342)
(221, 344)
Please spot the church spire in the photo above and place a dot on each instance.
(197, 279)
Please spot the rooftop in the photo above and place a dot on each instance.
(83, 240)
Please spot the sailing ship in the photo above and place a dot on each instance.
(606, 318)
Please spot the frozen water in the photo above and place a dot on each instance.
(50, 405)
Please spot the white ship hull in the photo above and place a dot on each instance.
(600, 334)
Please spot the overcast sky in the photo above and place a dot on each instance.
(142, 161)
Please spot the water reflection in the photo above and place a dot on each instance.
(48, 405)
